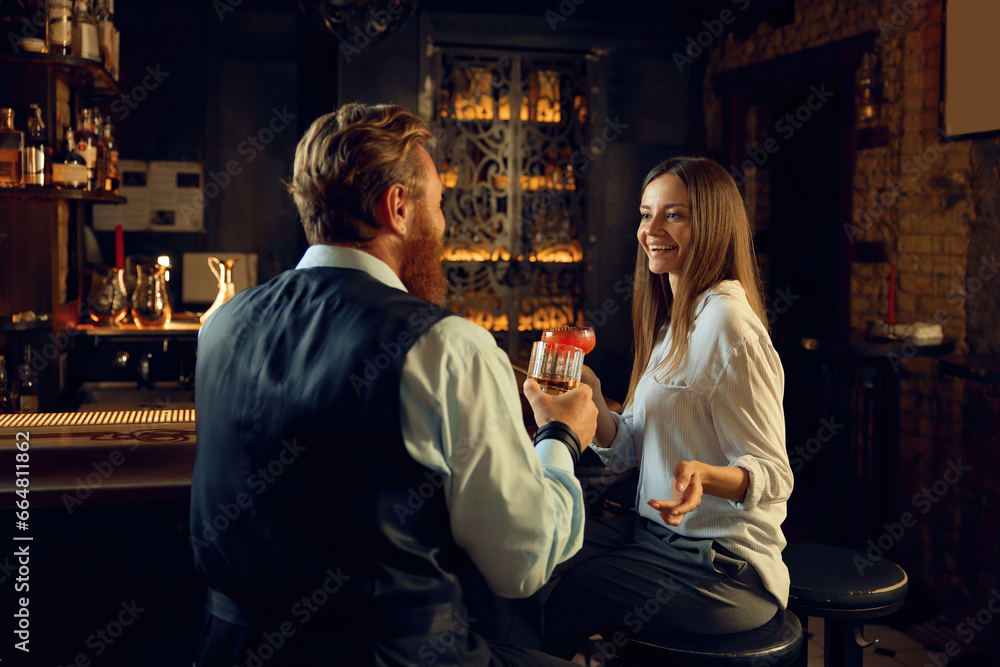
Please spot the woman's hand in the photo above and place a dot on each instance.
(607, 428)
(687, 490)
(692, 479)
(591, 380)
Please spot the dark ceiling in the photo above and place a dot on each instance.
(681, 14)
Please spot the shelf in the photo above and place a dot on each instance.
(153, 230)
(86, 75)
(37, 325)
(174, 329)
(69, 193)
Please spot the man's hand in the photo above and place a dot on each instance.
(575, 408)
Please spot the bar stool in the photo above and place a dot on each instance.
(845, 588)
(776, 643)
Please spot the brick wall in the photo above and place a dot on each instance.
(933, 203)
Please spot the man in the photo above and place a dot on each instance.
(362, 463)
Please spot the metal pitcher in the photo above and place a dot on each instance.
(150, 299)
(107, 303)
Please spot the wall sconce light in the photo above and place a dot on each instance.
(868, 93)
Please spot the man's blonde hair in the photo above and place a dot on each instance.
(346, 160)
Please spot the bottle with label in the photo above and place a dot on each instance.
(85, 42)
(27, 399)
(59, 27)
(113, 181)
(36, 152)
(88, 144)
(69, 169)
(11, 148)
(7, 404)
(105, 15)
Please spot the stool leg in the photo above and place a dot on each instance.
(842, 648)
(803, 659)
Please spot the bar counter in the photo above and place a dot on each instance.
(122, 456)
(97, 457)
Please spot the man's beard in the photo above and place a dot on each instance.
(422, 272)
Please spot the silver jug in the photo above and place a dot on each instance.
(150, 299)
(107, 303)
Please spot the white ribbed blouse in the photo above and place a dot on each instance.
(721, 406)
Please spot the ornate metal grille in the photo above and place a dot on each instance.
(509, 128)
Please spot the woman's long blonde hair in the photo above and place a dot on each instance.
(721, 249)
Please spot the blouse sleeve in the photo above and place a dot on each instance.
(621, 454)
(750, 422)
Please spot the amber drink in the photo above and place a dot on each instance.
(555, 367)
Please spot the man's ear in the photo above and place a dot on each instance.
(393, 209)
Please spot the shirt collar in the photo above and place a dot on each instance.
(341, 257)
(723, 287)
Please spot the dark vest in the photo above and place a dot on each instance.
(307, 513)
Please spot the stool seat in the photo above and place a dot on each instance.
(775, 643)
(842, 583)
(845, 588)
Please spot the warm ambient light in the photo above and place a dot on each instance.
(164, 260)
(543, 317)
(546, 317)
(556, 178)
(475, 99)
(481, 254)
(563, 253)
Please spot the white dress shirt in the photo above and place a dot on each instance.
(721, 406)
(517, 510)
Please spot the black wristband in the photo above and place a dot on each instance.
(563, 433)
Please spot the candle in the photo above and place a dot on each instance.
(119, 248)
(892, 295)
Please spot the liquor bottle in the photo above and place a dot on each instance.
(116, 53)
(11, 147)
(113, 182)
(36, 152)
(7, 404)
(88, 145)
(27, 399)
(105, 16)
(101, 166)
(85, 42)
(69, 169)
(59, 27)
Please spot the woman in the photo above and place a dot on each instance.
(703, 423)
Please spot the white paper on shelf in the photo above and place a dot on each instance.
(162, 196)
(176, 198)
(133, 215)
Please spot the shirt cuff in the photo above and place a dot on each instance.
(616, 455)
(552, 451)
(752, 497)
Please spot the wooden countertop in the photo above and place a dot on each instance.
(98, 457)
